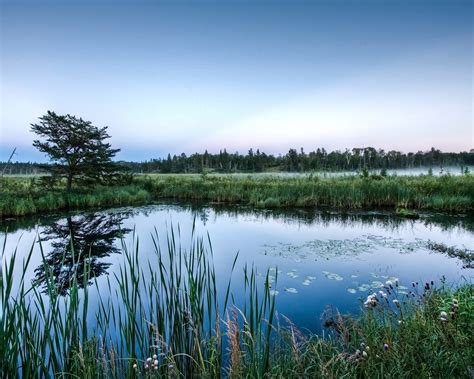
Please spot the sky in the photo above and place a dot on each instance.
(186, 76)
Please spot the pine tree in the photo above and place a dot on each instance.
(77, 149)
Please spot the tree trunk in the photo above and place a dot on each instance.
(69, 182)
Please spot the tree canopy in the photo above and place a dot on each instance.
(78, 150)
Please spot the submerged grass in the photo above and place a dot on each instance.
(19, 197)
(164, 317)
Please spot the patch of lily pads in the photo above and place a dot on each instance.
(325, 249)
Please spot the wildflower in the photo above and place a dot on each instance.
(371, 301)
(357, 353)
(364, 354)
(427, 286)
(155, 356)
(155, 363)
(146, 367)
(135, 366)
(156, 367)
(362, 346)
(170, 366)
(367, 348)
(443, 316)
(388, 283)
(400, 322)
(396, 302)
(148, 360)
(455, 301)
(413, 284)
(385, 346)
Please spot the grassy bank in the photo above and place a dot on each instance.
(165, 317)
(448, 193)
(444, 193)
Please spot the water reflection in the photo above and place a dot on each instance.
(312, 216)
(210, 212)
(79, 245)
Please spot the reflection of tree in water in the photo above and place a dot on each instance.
(79, 243)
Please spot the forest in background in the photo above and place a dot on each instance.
(293, 161)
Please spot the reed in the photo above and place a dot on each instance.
(20, 197)
(446, 193)
(164, 317)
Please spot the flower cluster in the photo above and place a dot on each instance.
(151, 363)
(443, 316)
(371, 301)
(360, 354)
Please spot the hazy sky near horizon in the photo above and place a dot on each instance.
(188, 76)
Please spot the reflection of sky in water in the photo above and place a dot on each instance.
(321, 262)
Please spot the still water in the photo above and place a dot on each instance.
(320, 259)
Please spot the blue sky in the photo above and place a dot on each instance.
(188, 76)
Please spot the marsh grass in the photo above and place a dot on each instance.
(164, 317)
(166, 310)
(21, 196)
(447, 193)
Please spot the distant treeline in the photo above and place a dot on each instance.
(293, 161)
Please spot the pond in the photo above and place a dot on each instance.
(320, 258)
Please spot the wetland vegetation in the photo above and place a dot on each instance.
(89, 299)
(165, 317)
(164, 309)
(24, 196)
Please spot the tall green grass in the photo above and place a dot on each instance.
(20, 197)
(447, 193)
(162, 316)
(165, 317)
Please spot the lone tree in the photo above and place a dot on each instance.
(77, 149)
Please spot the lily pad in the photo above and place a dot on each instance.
(376, 284)
(363, 287)
(333, 276)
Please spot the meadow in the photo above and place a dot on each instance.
(25, 196)
(165, 317)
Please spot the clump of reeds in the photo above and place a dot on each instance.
(166, 311)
